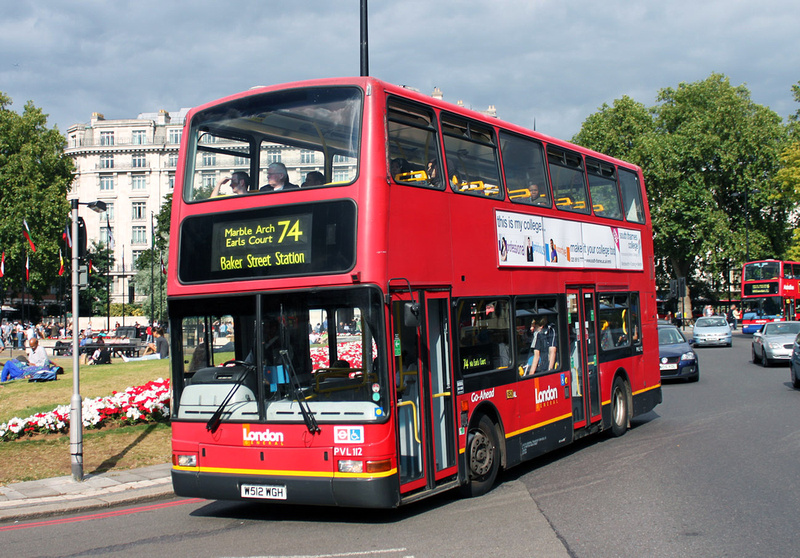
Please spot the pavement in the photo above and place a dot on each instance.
(61, 495)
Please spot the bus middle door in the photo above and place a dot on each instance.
(583, 363)
(425, 416)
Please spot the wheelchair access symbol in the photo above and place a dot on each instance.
(348, 434)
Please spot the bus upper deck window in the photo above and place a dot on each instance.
(471, 155)
(413, 148)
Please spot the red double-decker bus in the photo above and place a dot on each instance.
(769, 293)
(375, 296)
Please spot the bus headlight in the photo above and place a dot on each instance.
(351, 466)
(189, 460)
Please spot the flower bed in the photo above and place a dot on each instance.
(139, 404)
(350, 351)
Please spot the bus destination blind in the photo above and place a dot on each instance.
(264, 246)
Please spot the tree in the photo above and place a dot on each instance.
(709, 161)
(789, 174)
(34, 180)
(623, 130)
(789, 177)
(794, 119)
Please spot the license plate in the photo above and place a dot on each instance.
(264, 491)
(669, 367)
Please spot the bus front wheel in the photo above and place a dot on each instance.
(483, 458)
(619, 408)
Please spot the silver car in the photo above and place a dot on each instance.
(711, 331)
(773, 342)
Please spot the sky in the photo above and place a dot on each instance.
(544, 64)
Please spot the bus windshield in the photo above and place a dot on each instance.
(762, 271)
(762, 307)
(274, 142)
(331, 340)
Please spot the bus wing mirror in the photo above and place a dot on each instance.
(411, 314)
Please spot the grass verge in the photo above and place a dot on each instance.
(46, 456)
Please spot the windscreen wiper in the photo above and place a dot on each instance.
(216, 419)
(308, 416)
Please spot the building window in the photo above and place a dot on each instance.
(341, 175)
(172, 160)
(175, 135)
(106, 138)
(136, 255)
(171, 180)
(106, 161)
(104, 234)
(273, 155)
(241, 161)
(209, 159)
(138, 137)
(138, 235)
(106, 182)
(138, 211)
(109, 211)
(138, 182)
(209, 180)
(306, 156)
(139, 160)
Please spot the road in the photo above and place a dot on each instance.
(711, 472)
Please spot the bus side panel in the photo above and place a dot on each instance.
(539, 441)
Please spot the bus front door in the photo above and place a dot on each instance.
(583, 365)
(425, 415)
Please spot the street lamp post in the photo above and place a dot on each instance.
(75, 418)
(152, 262)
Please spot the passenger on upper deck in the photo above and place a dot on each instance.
(433, 173)
(314, 178)
(398, 166)
(278, 179)
(240, 184)
(537, 197)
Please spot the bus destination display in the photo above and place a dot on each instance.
(261, 244)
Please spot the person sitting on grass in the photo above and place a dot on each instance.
(156, 350)
(24, 367)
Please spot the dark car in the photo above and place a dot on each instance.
(676, 357)
(794, 365)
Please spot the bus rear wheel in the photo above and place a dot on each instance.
(619, 408)
(483, 458)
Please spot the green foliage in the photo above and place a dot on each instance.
(710, 157)
(794, 119)
(34, 180)
(789, 178)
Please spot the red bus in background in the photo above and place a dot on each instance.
(769, 293)
(400, 297)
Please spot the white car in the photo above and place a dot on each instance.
(712, 331)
